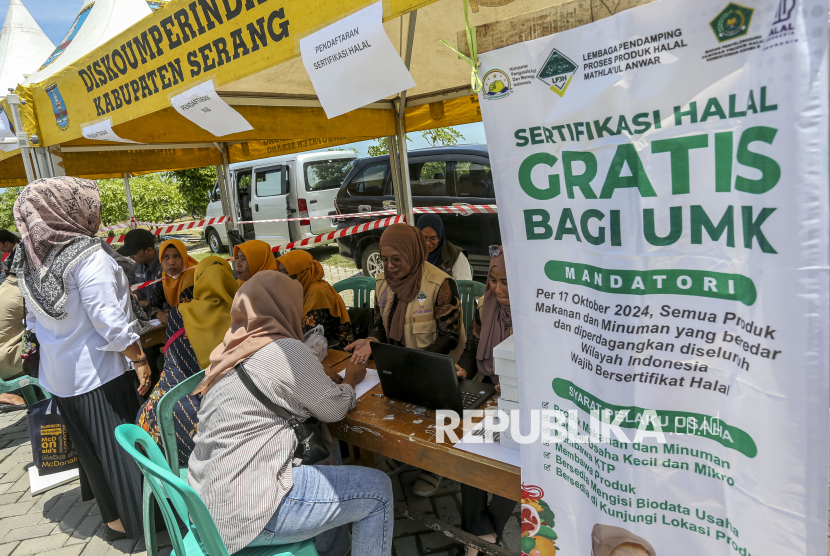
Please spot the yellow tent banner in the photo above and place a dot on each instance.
(179, 46)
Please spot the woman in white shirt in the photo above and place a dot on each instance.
(78, 302)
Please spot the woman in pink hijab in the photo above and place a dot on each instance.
(492, 324)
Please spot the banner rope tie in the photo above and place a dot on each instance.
(472, 59)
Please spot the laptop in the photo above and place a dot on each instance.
(426, 379)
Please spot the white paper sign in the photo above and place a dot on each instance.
(202, 106)
(102, 131)
(662, 184)
(369, 381)
(353, 63)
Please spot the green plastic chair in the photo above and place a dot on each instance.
(175, 495)
(469, 290)
(26, 384)
(167, 432)
(361, 287)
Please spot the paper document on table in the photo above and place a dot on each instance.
(202, 106)
(369, 381)
(155, 322)
(337, 58)
(473, 442)
(102, 131)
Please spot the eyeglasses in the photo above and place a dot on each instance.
(495, 250)
(395, 260)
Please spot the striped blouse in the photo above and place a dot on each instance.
(241, 465)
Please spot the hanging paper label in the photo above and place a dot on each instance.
(102, 131)
(341, 58)
(202, 106)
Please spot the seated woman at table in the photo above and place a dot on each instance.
(321, 304)
(243, 463)
(193, 330)
(443, 254)
(417, 306)
(177, 280)
(492, 324)
(251, 257)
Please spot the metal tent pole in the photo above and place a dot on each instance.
(22, 137)
(229, 197)
(129, 199)
(403, 187)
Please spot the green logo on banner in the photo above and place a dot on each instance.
(679, 422)
(557, 72)
(732, 22)
(698, 283)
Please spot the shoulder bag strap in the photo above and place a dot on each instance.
(263, 399)
(172, 339)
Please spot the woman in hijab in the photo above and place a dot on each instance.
(492, 324)
(176, 285)
(417, 306)
(443, 254)
(193, 330)
(251, 257)
(243, 463)
(78, 303)
(321, 304)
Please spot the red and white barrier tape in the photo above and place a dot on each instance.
(374, 225)
(177, 227)
(123, 225)
(455, 209)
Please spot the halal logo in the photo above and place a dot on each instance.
(732, 22)
(58, 106)
(557, 72)
(496, 84)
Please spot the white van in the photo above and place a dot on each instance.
(289, 186)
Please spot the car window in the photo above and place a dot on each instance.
(473, 180)
(326, 174)
(243, 181)
(269, 183)
(428, 179)
(369, 182)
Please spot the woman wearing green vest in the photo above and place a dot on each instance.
(417, 306)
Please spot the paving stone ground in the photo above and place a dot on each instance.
(58, 523)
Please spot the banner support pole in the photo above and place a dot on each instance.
(22, 136)
(130, 210)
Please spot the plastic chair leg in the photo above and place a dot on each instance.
(148, 508)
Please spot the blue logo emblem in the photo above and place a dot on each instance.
(58, 106)
(67, 40)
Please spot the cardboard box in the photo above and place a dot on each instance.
(509, 388)
(504, 359)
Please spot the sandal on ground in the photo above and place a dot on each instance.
(394, 466)
(426, 484)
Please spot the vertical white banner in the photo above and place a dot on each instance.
(662, 185)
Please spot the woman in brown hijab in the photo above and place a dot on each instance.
(417, 306)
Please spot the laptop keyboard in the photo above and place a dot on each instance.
(467, 399)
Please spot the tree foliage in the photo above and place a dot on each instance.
(154, 197)
(442, 136)
(437, 137)
(195, 186)
(7, 198)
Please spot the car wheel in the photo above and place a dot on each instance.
(370, 261)
(215, 242)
